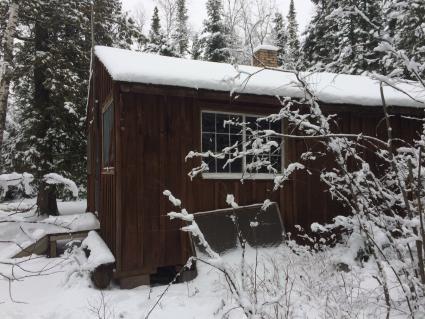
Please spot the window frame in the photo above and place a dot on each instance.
(246, 175)
(110, 168)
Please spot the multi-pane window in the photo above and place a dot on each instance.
(107, 136)
(218, 134)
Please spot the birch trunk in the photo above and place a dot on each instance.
(8, 59)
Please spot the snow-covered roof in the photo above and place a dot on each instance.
(267, 47)
(138, 67)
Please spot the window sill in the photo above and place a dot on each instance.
(238, 176)
(108, 170)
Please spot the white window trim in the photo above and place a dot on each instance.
(244, 174)
(233, 176)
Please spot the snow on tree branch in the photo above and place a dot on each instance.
(56, 179)
(21, 181)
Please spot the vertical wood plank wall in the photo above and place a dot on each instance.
(157, 129)
(160, 130)
(99, 93)
(107, 212)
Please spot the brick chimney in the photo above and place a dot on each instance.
(265, 56)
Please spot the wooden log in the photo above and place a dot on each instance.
(102, 276)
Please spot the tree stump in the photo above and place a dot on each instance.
(46, 200)
(102, 276)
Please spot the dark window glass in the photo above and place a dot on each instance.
(220, 166)
(211, 162)
(236, 139)
(236, 166)
(251, 122)
(277, 162)
(107, 136)
(220, 123)
(216, 136)
(208, 122)
(263, 168)
(249, 162)
(223, 140)
(276, 126)
(235, 128)
(208, 142)
(276, 150)
(263, 125)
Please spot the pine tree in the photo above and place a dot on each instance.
(214, 34)
(181, 34)
(320, 47)
(50, 82)
(112, 27)
(196, 50)
(155, 30)
(363, 38)
(157, 42)
(280, 38)
(405, 23)
(291, 58)
(339, 39)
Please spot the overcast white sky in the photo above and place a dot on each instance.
(197, 11)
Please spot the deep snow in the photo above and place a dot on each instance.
(24, 229)
(312, 286)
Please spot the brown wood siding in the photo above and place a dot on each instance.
(150, 154)
(107, 210)
(158, 131)
(91, 154)
(161, 129)
(157, 126)
(101, 91)
(307, 198)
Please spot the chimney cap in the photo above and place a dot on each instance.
(266, 47)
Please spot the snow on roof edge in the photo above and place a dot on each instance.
(137, 67)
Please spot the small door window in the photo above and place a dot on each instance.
(108, 136)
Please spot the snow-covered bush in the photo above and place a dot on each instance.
(247, 296)
(347, 280)
(379, 180)
(67, 184)
(21, 183)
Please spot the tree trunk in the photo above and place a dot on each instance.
(46, 200)
(8, 59)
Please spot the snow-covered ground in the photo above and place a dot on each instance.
(314, 290)
(18, 230)
(309, 285)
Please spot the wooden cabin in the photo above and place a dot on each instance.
(147, 112)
